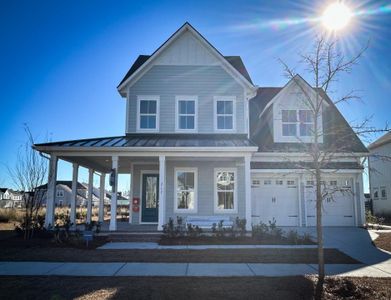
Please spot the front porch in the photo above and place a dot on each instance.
(202, 157)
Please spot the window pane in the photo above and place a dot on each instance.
(182, 107)
(143, 122)
(190, 107)
(190, 122)
(306, 116)
(151, 192)
(220, 123)
(225, 181)
(220, 107)
(144, 106)
(306, 129)
(225, 200)
(289, 129)
(182, 122)
(289, 116)
(152, 107)
(185, 181)
(185, 200)
(228, 107)
(147, 122)
(228, 123)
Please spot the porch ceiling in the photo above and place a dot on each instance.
(103, 163)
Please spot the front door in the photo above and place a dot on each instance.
(150, 198)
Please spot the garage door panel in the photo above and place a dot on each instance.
(278, 199)
(337, 208)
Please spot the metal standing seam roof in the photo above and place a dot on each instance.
(159, 140)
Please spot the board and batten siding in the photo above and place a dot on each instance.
(168, 81)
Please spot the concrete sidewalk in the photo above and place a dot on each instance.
(156, 246)
(182, 269)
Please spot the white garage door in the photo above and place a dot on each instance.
(275, 198)
(338, 208)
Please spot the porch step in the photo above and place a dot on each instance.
(135, 238)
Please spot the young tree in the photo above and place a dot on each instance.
(325, 63)
(28, 173)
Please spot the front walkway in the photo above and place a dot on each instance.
(182, 269)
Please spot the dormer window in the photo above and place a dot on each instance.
(147, 113)
(297, 122)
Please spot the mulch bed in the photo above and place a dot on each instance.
(211, 240)
(299, 287)
(308, 256)
(384, 241)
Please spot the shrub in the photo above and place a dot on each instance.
(274, 231)
(193, 231)
(259, 231)
(172, 230)
(293, 237)
(241, 225)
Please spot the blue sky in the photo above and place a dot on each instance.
(60, 61)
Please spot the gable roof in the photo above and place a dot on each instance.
(235, 61)
(261, 129)
(230, 62)
(383, 140)
(67, 183)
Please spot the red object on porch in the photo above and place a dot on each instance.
(136, 201)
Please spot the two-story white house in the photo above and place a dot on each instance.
(201, 139)
(379, 165)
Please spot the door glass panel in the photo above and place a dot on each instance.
(151, 195)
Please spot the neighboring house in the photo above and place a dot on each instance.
(63, 194)
(379, 165)
(10, 198)
(202, 139)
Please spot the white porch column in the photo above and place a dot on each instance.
(131, 194)
(89, 199)
(101, 197)
(247, 183)
(74, 193)
(51, 191)
(113, 210)
(162, 191)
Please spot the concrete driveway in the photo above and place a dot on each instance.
(357, 243)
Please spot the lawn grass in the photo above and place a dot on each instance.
(384, 241)
(298, 287)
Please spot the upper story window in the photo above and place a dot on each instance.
(297, 122)
(225, 113)
(383, 192)
(148, 113)
(186, 116)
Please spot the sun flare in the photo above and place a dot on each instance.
(336, 16)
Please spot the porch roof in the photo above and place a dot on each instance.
(156, 140)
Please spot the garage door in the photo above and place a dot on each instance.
(338, 208)
(275, 198)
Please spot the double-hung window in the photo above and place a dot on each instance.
(289, 122)
(148, 113)
(297, 122)
(306, 119)
(225, 113)
(186, 116)
(186, 190)
(225, 190)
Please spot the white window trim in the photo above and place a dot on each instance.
(148, 98)
(184, 98)
(184, 210)
(224, 98)
(226, 211)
